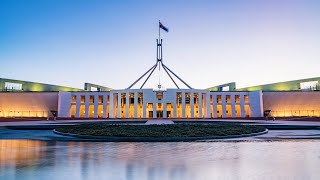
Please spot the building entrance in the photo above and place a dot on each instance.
(168, 114)
(159, 114)
(150, 114)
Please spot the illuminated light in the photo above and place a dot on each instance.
(309, 85)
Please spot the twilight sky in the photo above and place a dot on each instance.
(112, 43)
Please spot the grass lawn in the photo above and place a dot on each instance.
(173, 130)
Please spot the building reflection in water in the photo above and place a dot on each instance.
(27, 159)
(23, 158)
(20, 152)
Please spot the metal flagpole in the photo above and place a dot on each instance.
(165, 67)
(159, 52)
(154, 66)
(158, 63)
(170, 76)
(148, 77)
(159, 30)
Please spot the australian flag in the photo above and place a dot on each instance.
(163, 27)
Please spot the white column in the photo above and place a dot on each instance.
(256, 104)
(154, 110)
(164, 109)
(183, 105)
(96, 100)
(78, 104)
(119, 105)
(208, 115)
(64, 104)
(223, 99)
(174, 109)
(233, 105)
(104, 106)
(111, 105)
(192, 104)
(87, 99)
(200, 104)
(242, 113)
(135, 104)
(214, 101)
(127, 104)
(144, 110)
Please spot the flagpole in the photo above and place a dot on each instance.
(159, 52)
(158, 63)
(159, 30)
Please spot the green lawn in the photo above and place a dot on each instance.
(175, 130)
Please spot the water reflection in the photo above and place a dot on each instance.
(20, 153)
(27, 159)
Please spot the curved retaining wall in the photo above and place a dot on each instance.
(154, 139)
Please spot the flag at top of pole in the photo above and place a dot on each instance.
(163, 27)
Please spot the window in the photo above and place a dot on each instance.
(83, 99)
(203, 96)
(311, 85)
(179, 98)
(187, 96)
(100, 99)
(237, 99)
(140, 98)
(123, 99)
(159, 96)
(228, 99)
(195, 98)
(246, 98)
(93, 89)
(219, 99)
(131, 96)
(91, 99)
(12, 86)
(226, 88)
(74, 99)
(115, 99)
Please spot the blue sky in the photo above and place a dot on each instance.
(69, 42)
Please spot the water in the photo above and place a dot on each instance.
(29, 159)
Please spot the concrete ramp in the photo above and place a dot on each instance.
(159, 122)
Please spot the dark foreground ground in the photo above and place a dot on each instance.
(42, 130)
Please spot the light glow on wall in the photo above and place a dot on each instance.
(13, 86)
(309, 85)
(31, 104)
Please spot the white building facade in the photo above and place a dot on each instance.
(172, 103)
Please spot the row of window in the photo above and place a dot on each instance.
(91, 99)
(228, 99)
(159, 97)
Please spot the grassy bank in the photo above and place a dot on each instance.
(175, 130)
